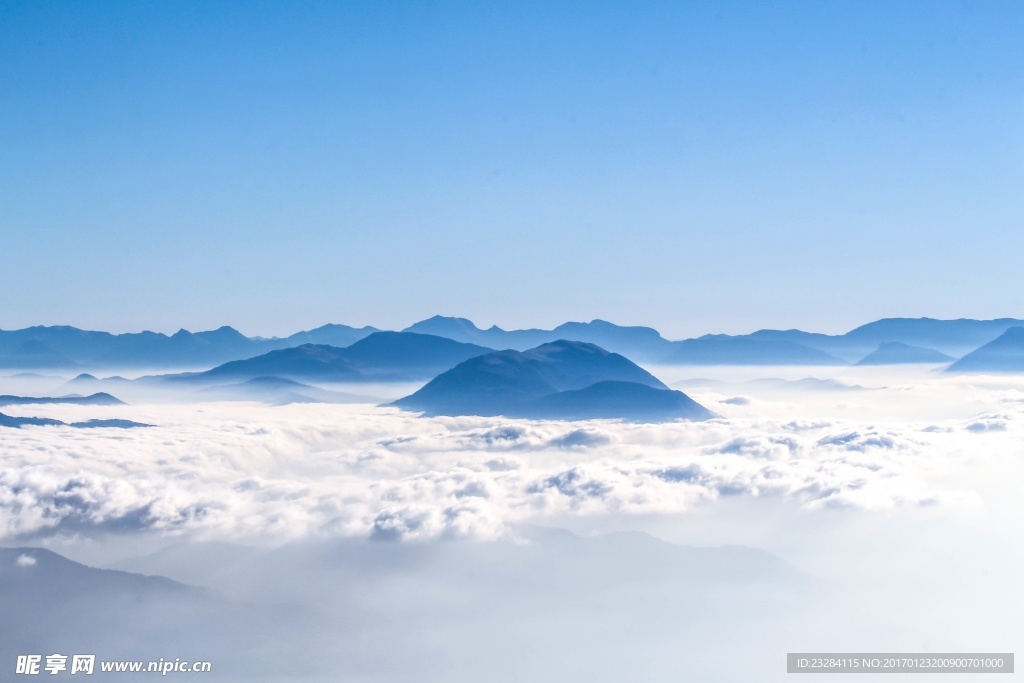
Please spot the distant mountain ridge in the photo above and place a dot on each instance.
(382, 356)
(951, 338)
(642, 343)
(64, 347)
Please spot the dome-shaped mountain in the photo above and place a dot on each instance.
(559, 380)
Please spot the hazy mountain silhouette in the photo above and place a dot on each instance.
(18, 422)
(953, 337)
(327, 335)
(97, 399)
(893, 353)
(1004, 354)
(643, 343)
(459, 329)
(35, 354)
(49, 599)
(83, 347)
(63, 346)
(183, 348)
(66, 347)
(87, 382)
(561, 380)
(278, 391)
(382, 356)
(316, 361)
(763, 347)
(537, 588)
(726, 350)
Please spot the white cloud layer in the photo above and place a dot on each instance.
(238, 471)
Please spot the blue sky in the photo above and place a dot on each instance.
(698, 167)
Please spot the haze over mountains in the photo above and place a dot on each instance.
(382, 356)
(641, 343)
(895, 353)
(105, 611)
(256, 612)
(62, 347)
(1005, 354)
(68, 347)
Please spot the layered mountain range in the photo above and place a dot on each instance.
(887, 341)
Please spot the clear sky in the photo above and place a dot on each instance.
(698, 167)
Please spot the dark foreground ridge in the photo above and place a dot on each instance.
(559, 380)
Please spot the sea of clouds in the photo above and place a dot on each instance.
(237, 471)
(365, 471)
(408, 547)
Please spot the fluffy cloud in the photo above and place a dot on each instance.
(989, 423)
(238, 470)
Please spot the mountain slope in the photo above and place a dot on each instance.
(1004, 354)
(725, 350)
(640, 342)
(952, 337)
(382, 356)
(313, 361)
(623, 400)
(895, 353)
(329, 335)
(35, 354)
(561, 380)
(406, 354)
(68, 607)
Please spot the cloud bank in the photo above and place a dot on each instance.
(239, 471)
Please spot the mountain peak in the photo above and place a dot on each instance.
(442, 321)
(562, 379)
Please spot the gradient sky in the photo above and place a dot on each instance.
(698, 167)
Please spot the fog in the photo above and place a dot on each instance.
(874, 511)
